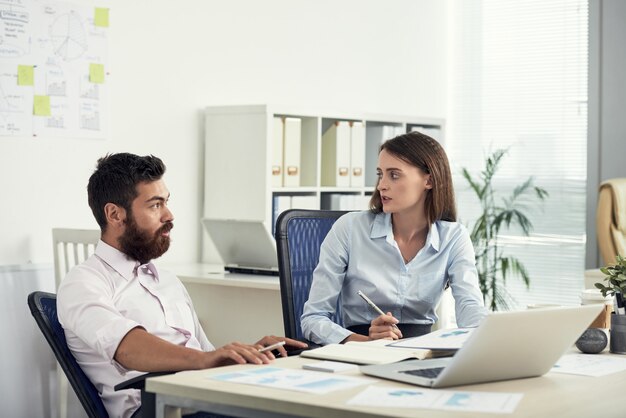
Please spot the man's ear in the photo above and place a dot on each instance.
(115, 215)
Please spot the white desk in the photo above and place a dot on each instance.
(232, 307)
(551, 395)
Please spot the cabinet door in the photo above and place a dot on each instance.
(236, 172)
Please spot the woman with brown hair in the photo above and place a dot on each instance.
(402, 253)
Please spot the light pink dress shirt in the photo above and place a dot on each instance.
(102, 299)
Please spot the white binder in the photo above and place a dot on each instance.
(291, 156)
(304, 202)
(336, 155)
(432, 131)
(277, 153)
(357, 155)
(398, 130)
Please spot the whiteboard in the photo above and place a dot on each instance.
(53, 69)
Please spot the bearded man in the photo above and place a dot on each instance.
(122, 315)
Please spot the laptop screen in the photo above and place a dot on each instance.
(242, 243)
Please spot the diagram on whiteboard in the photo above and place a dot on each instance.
(53, 69)
(15, 105)
(68, 36)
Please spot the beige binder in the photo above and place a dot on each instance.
(277, 153)
(357, 154)
(336, 155)
(291, 156)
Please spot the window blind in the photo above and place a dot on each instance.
(518, 80)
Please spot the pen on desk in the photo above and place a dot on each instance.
(271, 347)
(373, 306)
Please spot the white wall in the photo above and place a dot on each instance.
(168, 60)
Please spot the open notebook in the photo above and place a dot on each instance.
(371, 352)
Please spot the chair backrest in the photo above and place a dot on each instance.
(43, 307)
(71, 247)
(611, 219)
(299, 235)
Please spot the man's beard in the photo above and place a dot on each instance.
(139, 245)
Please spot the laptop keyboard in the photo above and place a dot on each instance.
(428, 373)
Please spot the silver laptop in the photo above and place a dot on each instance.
(244, 246)
(506, 345)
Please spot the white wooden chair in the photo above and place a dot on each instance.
(70, 247)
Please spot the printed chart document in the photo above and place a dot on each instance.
(371, 352)
(589, 364)
(299, 380)
(443, 339)
(401, 397)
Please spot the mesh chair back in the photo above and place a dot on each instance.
(299, 235)
(43, 307)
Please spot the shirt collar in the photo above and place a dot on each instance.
(433, 238)
(126, 267)
(381, 227)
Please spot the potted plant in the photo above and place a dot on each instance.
(494, 267)
(615, 282)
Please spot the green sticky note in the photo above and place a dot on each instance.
(96, 73)
(41, 106)
(101, 17)
(25, 75)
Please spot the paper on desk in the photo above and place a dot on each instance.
(589, 364)
(443, 339)
(292, 379)
(402, 397)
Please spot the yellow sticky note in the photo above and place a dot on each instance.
(25, 75)
(41, 106)
(96, 73)
(101, 17)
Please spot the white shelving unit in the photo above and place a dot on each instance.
(238, 157)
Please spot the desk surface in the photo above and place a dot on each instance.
(551, 395)
(214, 274)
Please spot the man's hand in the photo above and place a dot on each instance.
(237, 353)
(272, 339)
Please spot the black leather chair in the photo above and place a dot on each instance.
(43, 307)
(299, 235)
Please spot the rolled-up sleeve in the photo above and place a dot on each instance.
(86, 309)
(463, 276)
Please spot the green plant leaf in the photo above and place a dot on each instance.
(498, 213)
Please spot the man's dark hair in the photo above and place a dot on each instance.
(115, 181)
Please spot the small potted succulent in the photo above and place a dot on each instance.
(615, 283)
(616, 286)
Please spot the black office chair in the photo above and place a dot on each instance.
(299, 235)
(43, 307)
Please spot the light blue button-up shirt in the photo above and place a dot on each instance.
(360, 253)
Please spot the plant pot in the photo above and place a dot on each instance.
(618, 334)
